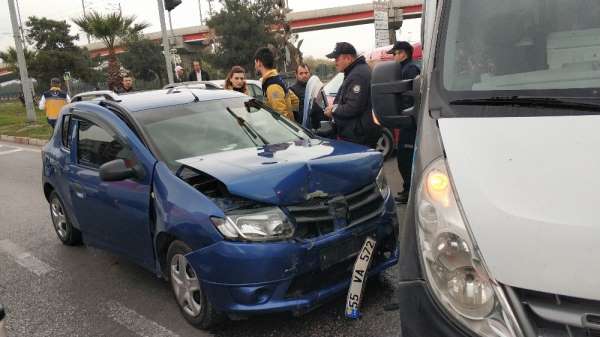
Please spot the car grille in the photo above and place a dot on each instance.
(315, 217)
(553, 315)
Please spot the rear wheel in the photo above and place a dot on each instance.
(187, 288)
(63, 227)
(385, 144)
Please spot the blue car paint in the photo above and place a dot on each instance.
(270, 268)
(288, 175)
(111, 215)
(182, 211)
(233, 273)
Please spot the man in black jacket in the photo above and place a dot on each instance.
(299, 88)
(407, 70)
(351, 109)
(197, 74)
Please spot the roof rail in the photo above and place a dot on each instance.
(106, 94)
(192, 84)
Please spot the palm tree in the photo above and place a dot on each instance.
(109, 28)
(9, 57)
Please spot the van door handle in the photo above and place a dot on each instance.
(78, 189)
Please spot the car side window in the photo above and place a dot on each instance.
(66, 131)
(95, 146)
(256, 92)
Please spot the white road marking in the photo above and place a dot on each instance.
(24, 258)
(25, 148)
(135, 322)
(10, 151)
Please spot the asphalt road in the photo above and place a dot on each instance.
(53, 290)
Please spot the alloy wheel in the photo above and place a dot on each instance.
(59, 219)
(186, 285)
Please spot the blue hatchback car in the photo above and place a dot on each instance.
(243, 211)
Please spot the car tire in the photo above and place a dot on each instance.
(66, 232)
(385, 144)
(187, 288)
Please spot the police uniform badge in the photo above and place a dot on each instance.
(356, 88)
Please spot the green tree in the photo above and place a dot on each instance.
(241, 27)
(144, 59)
(110, 28)
(56, 52)
(10, 58)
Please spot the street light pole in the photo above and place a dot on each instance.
(165, 40)
(25, 81)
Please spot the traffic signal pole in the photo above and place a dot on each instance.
(25, 80)
(165, 40)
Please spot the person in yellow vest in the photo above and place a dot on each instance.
(276, 92)
(53, 100)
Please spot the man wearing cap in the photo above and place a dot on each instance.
(407, 70)
(351, 109)
(53, 100)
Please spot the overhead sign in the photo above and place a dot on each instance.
(380, 15)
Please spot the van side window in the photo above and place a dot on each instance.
(95, 146)
(66, 131)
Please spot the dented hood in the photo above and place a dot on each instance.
(285, 174)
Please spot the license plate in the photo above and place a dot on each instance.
(359, 275)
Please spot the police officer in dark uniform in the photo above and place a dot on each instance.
(407, 70)
(351, 110)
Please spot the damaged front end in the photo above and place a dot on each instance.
(289, 257)
(245, 220)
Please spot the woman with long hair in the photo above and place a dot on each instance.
(236, 80)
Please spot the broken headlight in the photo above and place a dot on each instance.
(261, 224)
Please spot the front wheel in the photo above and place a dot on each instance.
(187, 288)
(66, 232)
(385, 144)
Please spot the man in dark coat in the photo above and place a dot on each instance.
(407, 70)
(351, 110)
(197, 74)
(299, 88)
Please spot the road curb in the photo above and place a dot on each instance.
(23, 140)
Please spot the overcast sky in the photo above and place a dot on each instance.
(316, 43)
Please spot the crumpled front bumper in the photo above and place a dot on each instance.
(249, 278)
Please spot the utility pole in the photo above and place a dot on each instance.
(200, 8)
(25, 81)
(165, 40)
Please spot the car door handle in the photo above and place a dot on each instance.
(78, 189)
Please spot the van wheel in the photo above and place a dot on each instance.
(385, 144)
(63, 227)
(187, 288)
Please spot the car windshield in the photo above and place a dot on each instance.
(201, 128)
(531, 46)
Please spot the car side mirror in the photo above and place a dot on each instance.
(389, 94)
(116, 170)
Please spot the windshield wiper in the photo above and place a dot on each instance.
(247, 126)
(544, 102)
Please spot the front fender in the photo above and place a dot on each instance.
(182, 211)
